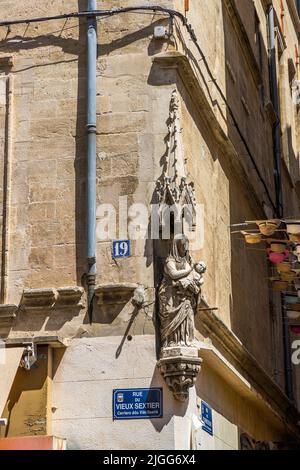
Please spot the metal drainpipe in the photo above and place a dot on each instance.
(275, 101)
(7, 185)
(288, 369)
(91, 154)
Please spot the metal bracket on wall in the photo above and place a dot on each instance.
(29, 356)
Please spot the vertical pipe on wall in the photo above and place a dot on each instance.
(275, 101)
(7, 188)
(91, 153)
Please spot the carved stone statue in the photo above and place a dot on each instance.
(178, 295)
(179, 291)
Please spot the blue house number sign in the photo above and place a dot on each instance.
(121, 249)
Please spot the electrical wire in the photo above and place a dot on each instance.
(171, 13)
(15, 43)
(85, 14)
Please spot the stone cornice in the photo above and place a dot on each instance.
(50, 298)
(118, 293)
(232, 347)
(69, 296)
(7, 314)
(38, 298)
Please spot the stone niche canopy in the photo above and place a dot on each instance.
(173, 188)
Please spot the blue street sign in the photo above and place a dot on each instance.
(121, 249)
(206, 416)
(138, 403)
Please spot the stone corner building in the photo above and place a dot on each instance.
(208, 115)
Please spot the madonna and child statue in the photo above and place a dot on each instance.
(178, 295)
(178, 298)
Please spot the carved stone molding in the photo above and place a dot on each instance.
(7, 314)
(50, 298)
(180, 366)
(114, 293)
(38, 298)
(69, 297)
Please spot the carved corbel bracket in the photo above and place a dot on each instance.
(7, 314)
(180, 366)
(69, 297)
(38, 298)
(51, 298)
(119, 293)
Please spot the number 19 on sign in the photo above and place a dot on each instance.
(121, 249)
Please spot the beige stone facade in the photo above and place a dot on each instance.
(43, 216)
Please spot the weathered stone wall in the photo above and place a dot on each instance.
(49, 147)
(48, 187)
(46, 242)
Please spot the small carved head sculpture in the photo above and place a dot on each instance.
(200, 267)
